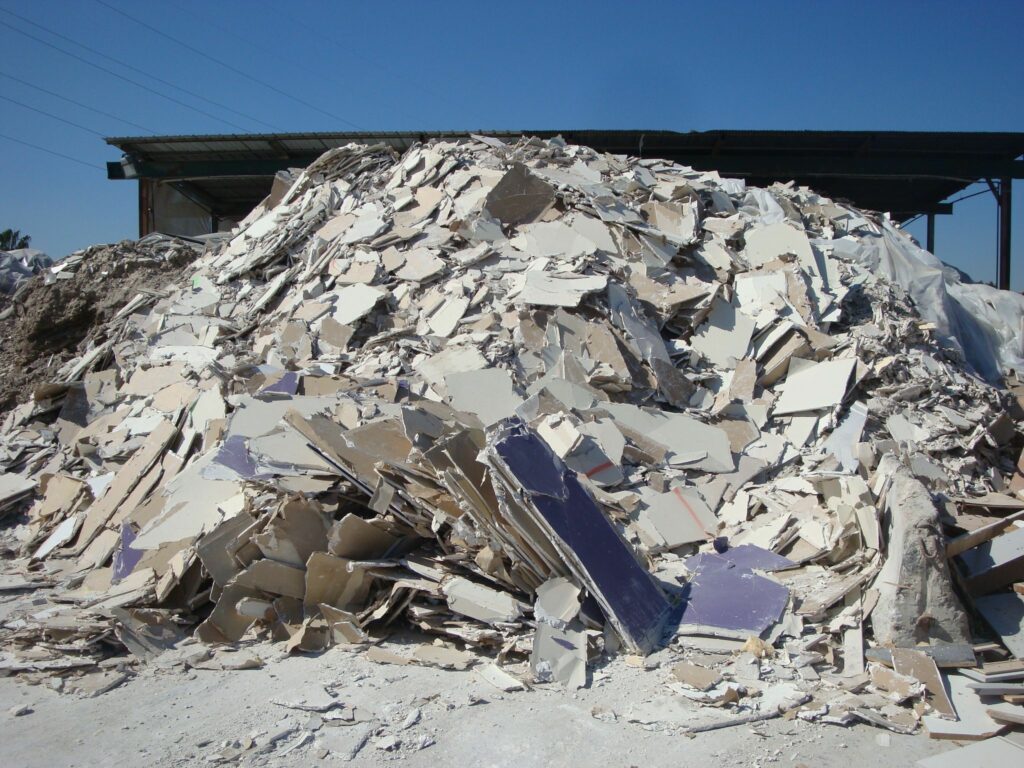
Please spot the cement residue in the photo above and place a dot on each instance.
(46, 325)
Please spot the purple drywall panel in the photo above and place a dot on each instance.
(724, 595)
(600, 557)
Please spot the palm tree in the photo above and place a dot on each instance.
(12, 240)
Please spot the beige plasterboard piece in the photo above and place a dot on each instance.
(125, 481)
(354, 538)
(974, 723)
(560, 654)
(768, 243)
(499, 678)
(450, 360)
(815, 387)
(441, 656)
(725, 336)
(695, 676)
(335, 226)
(146, 381)
(481, 603)
(355, 301)
(552, 238)
(488, 394)
(275, 578)
(678, 517)
(193, 506)
(444, 321)
(558, 290)
(329, 580)
(421, 264)
(558, 601)
(922, 667)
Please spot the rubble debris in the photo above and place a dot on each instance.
(539, 405)
(62, 310)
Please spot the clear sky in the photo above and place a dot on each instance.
(309, 66)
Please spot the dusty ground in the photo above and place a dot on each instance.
(176, 718)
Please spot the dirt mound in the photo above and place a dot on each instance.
(53, 314)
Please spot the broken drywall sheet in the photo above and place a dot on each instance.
(815, 387)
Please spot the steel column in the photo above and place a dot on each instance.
(1005, 207)
(931, 233)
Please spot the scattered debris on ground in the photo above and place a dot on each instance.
(542, 406)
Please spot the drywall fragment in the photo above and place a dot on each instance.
(342, 625)
(560, 654)
(994, 563)
(1004, 612)
(443, 657)
(499, 678)
(444, 321)
(354, 538)
(274, 578)
(921, 667)
(558, 601)
(481, 603)
(675, 518)
(1005, 712)
(647, 343)
(488, 394)
(354, 302)
(842, 443)
(330, 580)
(695, 676)
(519, 197)
(559, 289)
(450, 360)
(552, 239)
(974, 722)
(817, 386)
(421, 265)
(722, 596)
(723, 338)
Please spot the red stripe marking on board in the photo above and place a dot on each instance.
(600, 468)
(685, 503)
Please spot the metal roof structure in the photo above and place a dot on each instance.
(903, 173)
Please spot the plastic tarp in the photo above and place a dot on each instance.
(982, 323)
(17, 266)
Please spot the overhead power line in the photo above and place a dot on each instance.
(133, 68)
(72, 123)
(76, 103)
(51, 151)
(136, 83)
(236, 70)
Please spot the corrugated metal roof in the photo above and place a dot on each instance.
(829, 161)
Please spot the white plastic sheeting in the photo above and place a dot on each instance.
(983, 323)
(17, 266)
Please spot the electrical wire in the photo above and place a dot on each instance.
(76, 103)
(133, 68)
(126, 79)
(72, 123)
(236, 70)
(51, 152)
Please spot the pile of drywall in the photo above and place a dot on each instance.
(540, 404)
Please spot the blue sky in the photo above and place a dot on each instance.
(952, 66)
